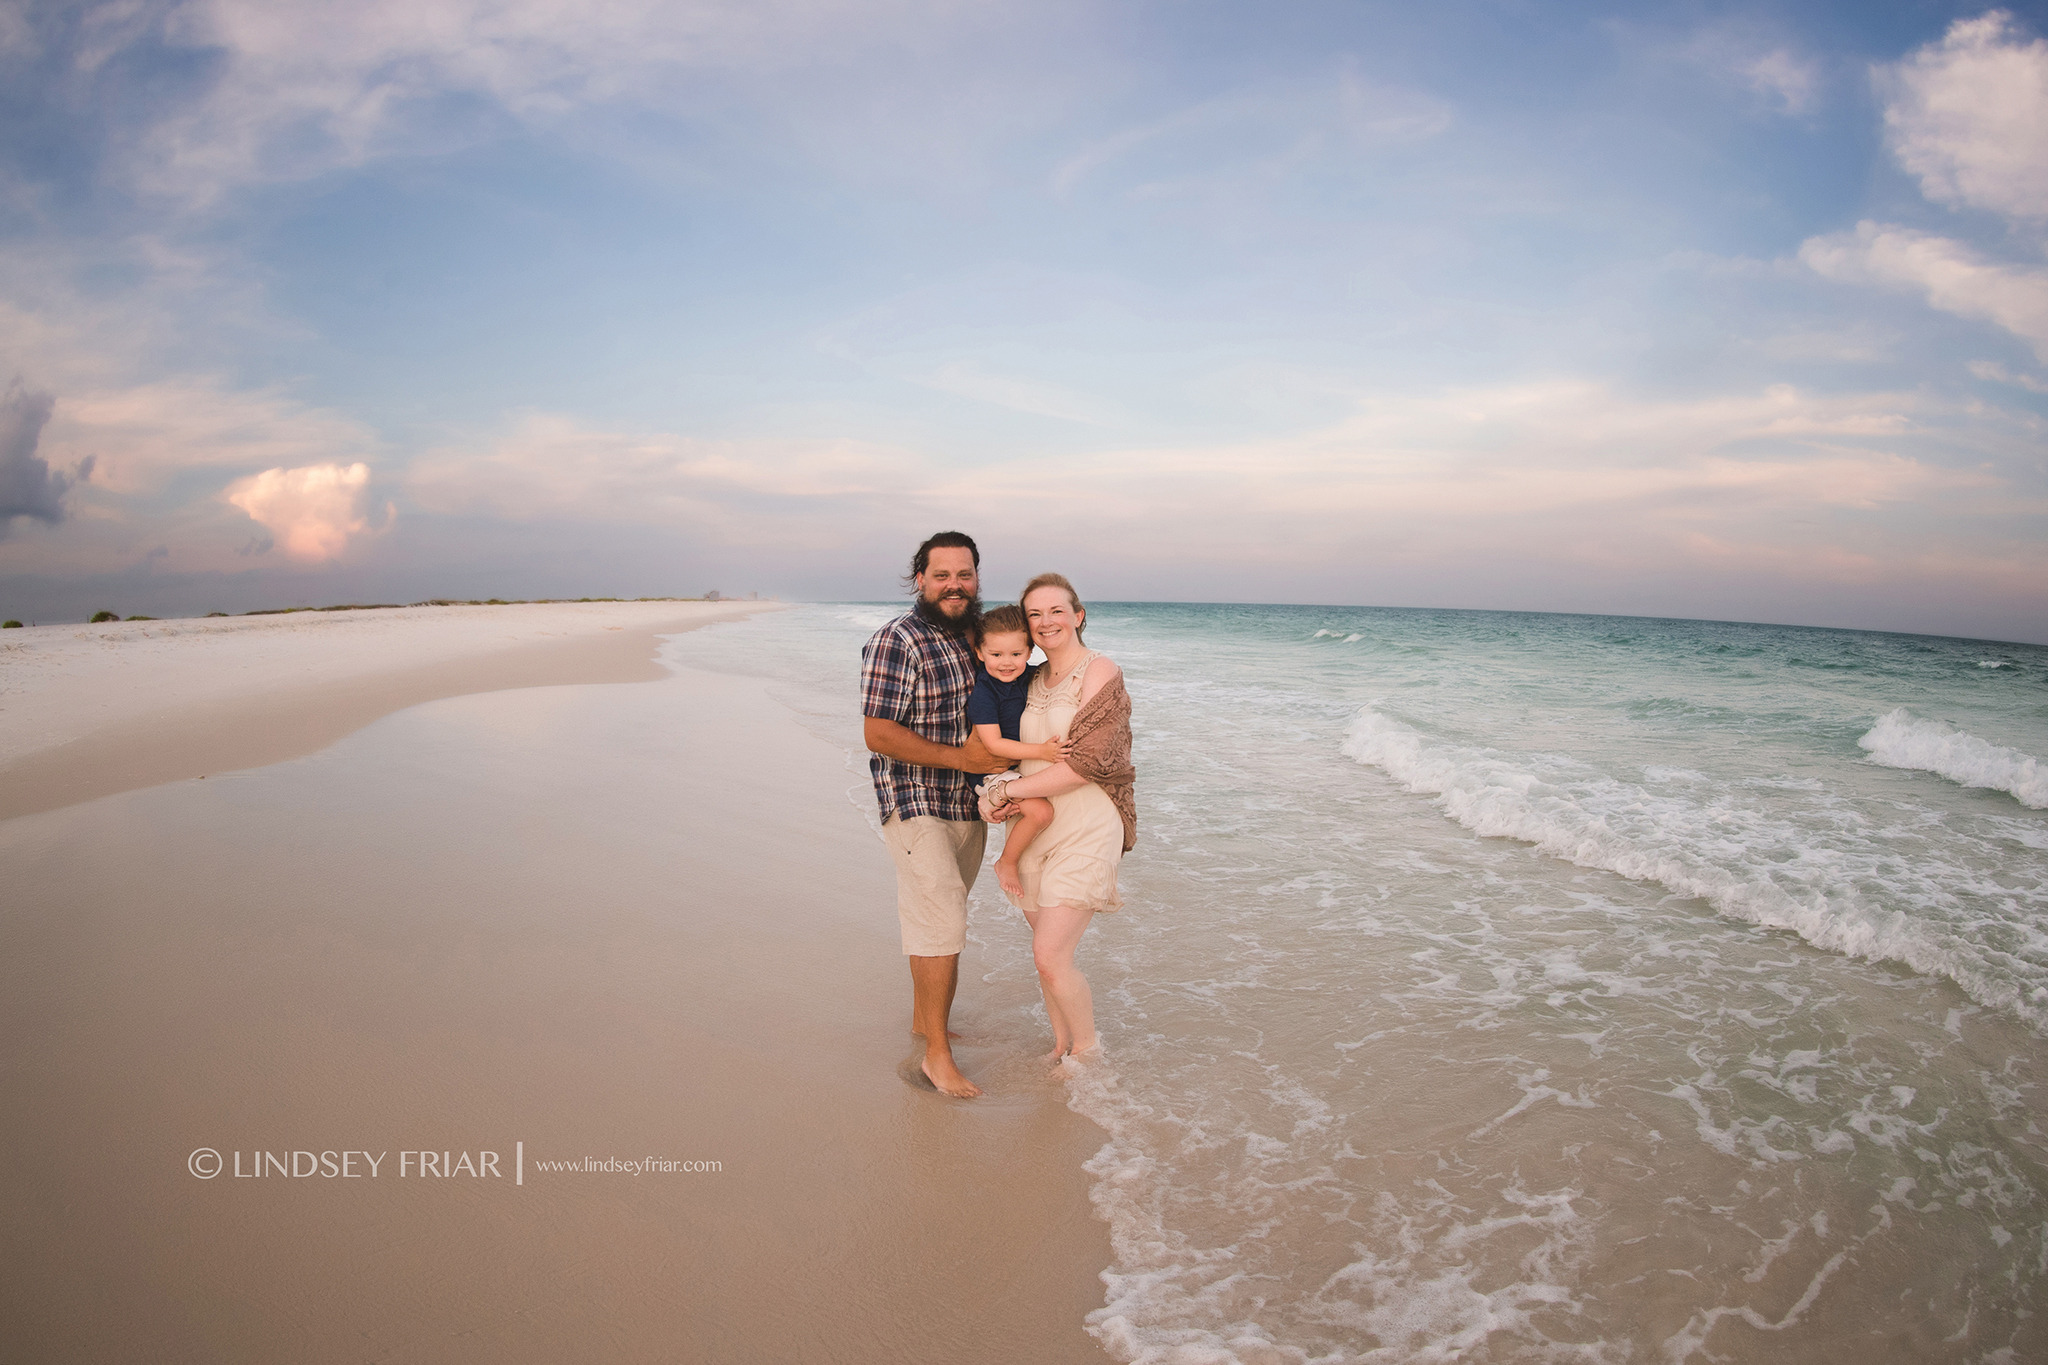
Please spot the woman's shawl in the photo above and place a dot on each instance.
(1100, 751)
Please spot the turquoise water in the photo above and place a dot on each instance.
(1497, 986)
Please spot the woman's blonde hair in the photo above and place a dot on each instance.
(1057, 580)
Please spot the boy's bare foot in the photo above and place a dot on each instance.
(1006, 877)
(946, 1078)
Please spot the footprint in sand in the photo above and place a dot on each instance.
(913, 1073)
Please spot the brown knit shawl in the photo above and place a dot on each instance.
(1101, 751)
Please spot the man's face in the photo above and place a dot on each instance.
(949, 581)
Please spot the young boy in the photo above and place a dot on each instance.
(994, 710)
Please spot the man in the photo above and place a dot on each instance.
(915, 675)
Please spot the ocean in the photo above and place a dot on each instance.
(1502, 986)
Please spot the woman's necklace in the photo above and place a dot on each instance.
(1070, 657)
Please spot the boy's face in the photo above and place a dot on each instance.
(1005, 654)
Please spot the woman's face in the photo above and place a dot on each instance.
(1052, 618)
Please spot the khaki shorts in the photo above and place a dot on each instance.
(936, 861)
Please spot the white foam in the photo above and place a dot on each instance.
(1902, 740)
(1742, 860)
(1415, 1287)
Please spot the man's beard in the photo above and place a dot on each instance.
(928, 612)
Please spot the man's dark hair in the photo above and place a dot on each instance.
(958, 540)
(925, 611)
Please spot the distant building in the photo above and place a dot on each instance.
(753, 597)
(711, 596)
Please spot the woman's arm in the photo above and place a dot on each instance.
(1056, 780)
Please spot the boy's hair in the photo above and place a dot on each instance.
(1003, 620)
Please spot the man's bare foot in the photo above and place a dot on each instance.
(915, 1033)
(947, 1080)
(1006, 877)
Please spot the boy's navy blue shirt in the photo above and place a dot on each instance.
(999, 703)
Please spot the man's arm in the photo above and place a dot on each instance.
(892, 740)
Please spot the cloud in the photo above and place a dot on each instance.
(301, 88)
(313, 511)
(1947, 273)
(28, 486)
(1992, 370)
(1969, 116)
(1739, 52)
(1257, 130)
(142, 436)
(553, 468)
(966, 379)
(1782, 77)
(1522, 469)
(1546, 461)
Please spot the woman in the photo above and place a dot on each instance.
(1069, 871)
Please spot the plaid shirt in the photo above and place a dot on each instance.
(919, 677)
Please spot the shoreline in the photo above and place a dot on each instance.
(98, 710)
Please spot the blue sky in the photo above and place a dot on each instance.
(1696, 310)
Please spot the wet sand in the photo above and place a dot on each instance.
(631, 921)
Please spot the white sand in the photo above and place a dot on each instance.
(58, 683)
(88, 711)
(605, 921)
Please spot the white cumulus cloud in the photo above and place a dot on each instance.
(1969, 116)
(313, 511)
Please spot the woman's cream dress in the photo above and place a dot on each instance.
(1073, 861)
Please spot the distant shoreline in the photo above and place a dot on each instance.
(109, 617)
(89, 712)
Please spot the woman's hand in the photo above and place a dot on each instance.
(995, 813)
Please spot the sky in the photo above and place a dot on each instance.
(1697, 310)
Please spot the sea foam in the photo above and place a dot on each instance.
(1844, 891)
(1902, 740)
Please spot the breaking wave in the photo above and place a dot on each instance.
(1902, 740)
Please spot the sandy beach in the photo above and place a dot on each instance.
(90, 710)
(416, 882)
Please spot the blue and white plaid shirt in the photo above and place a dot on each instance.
(919, 676)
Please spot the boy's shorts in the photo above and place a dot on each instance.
(936, 863)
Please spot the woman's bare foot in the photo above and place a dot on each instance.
(1053, 1057)
(1081, 1056)
(947, 1080)
(1006, 877)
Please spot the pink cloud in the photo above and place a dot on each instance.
(313, 511)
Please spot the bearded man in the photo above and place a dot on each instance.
(915, 677)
